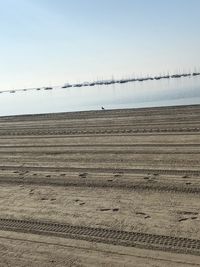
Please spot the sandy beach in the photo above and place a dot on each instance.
(125, 181)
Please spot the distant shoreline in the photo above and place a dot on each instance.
(107, 111)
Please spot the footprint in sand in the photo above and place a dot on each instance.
(188, 215)
(107, 209)
(146, 216)
(44, 198)
(115, 209)
(104, 209)
(194, 218)
(83, 175)
(31, 192)
(183, 219)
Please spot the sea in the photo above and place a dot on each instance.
(137, 94)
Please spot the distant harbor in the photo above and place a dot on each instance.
(109, 82)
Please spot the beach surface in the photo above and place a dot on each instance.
(101, 188)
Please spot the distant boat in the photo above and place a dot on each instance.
(92, 84)
(48, 88)
(86, 84)
(99, 82)
(157, 77)
(107, 82)
(123, 81)
(176, 76)
(67, 86)
(196, 73)
(186, 74)
(77, 85)
(162, 77)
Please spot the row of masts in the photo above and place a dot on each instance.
(112, 81)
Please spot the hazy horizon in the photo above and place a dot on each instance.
(53, 42)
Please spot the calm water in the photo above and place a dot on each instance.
(164, 92)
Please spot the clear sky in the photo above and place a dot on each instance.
(50, 42)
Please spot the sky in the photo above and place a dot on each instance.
(51, 42)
